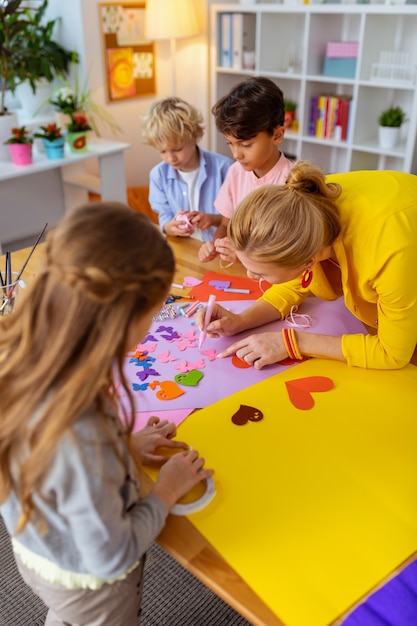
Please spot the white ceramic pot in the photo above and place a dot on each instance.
(33, 104)
(7, 122)
(388, 136)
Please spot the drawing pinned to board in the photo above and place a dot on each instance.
(129, 57)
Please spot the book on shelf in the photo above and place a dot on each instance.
(330, 116)
(242, 38)
(226, 40)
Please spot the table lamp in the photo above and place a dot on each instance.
(169, 19)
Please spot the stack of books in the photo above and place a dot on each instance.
(330, 116)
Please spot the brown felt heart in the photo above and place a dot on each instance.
(245, 414)
(300, 390)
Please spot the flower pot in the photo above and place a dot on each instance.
(54, 149)
(7, 122)
(21, 153)
(388, 136)
(289, 117)
(77, 141)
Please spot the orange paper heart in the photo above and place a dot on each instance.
(300, 390)
(168, 390)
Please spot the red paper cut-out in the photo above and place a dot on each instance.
(240, 363)
(300, 390)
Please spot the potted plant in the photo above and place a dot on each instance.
(390, 120)
(53, 140)
(20, 146)
(71, 98)
(13, 21)
(290, 108)
(78, 128)
(42, 59)
(27, 53)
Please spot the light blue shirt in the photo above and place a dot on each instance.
(168, 194)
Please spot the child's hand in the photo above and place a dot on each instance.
(207, 252)
(201, 220)
(156, 434)
(223, 323)
(179, 475)
(226, 251)
(180, 226)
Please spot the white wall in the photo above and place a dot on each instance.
(80, 30)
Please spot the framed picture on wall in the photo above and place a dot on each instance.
(129, 58)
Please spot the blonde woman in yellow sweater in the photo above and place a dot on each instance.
(352, 235)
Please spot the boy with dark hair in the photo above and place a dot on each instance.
(251, 118)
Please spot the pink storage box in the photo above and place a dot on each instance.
(342, 49)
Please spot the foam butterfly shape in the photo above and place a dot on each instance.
(185, 366)
(210, 354)
(165, 357)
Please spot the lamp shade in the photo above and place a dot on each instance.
(170, 19)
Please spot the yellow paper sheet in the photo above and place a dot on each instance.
(313, 507)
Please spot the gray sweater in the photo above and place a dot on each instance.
(98, 526)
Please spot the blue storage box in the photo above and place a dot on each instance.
(339, 68)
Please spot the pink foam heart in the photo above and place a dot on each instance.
(191, 281)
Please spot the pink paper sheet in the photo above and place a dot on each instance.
(220, 377)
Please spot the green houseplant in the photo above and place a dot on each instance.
(71, 97)
(393, 117)
(389, 123)
(28, 52)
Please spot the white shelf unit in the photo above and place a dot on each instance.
(290, 46)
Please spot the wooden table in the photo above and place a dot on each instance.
(179, 537)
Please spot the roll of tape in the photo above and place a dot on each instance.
(197, 505)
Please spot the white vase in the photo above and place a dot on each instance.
(7, 122)
(388, 136)
(33, 104)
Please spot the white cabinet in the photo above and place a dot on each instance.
(290, 47)
(32, 195)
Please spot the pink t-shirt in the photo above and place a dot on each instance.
(238, 183)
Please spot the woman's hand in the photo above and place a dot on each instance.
(179, 475)
(258, 350)
(156, 434)
(222, 323)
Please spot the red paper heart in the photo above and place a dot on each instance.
(300, 390)
(240, 363)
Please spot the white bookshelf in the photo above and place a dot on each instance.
(290, 45)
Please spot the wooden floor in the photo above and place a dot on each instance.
(137, 199)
